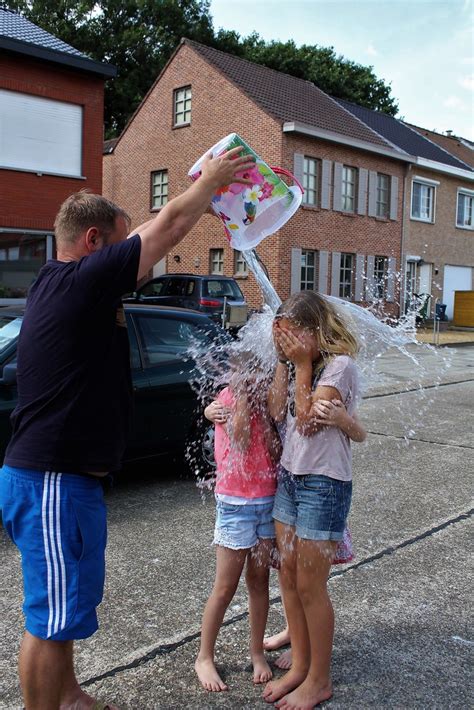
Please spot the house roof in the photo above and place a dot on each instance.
(19, 35)
(288, 98)
(460, 147)
(109, 145)
(403, 136)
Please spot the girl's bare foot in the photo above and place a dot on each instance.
(276, 689)
(82, 701)
(272, 643)
(261, 670)
(306, 696)
(208, 675)
(284, 660)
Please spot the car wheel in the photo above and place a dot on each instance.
(200, 451)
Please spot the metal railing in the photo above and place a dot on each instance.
(436, 322)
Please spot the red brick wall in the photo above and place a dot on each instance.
(30, 201)
(219, 108)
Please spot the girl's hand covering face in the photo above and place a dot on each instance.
(295, 347)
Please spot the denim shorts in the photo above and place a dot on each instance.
(58, 522)
(317, 506)
(240, 527)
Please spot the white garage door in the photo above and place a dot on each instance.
(456, 278)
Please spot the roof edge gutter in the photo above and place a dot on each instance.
(297, 127)
(444, 168)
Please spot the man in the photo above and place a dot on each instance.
(71, 422)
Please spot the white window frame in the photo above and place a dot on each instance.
(182, 105)
(308, 271)
(348, 188)
(469, 194)
(240, 265)
(378, 201)
(380, 276)
(159, 189)
(343, 280)
(216, 262)
(311, 171)
(429, 185)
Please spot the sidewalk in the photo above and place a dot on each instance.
(446, 337)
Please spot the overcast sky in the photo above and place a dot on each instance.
(423, 48)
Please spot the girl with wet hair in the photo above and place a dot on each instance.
(247, 449)
(315, 390)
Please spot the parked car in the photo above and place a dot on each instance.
(167, 415)
(206, 294)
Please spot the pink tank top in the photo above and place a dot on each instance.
(249, 474)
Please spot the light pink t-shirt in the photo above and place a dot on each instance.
(328, 451)
(249, 474)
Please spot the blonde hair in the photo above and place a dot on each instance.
(83, 210)
(310, 310)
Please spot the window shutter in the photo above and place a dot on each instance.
(325, 184)
(370, 283)
(372, 211)
(295, 283)
(460, 211)
(391, 279)
(298, 166)
(337, 193)
(335, 273)
(323, 272)
(393, 197)
(359, 278)
(362, 191)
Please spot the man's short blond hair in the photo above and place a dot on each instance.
(83, 210)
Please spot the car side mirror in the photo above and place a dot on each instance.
(9, 374)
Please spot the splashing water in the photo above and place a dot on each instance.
(377, 336)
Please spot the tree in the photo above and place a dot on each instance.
(139, 36)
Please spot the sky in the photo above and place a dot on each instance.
(423, 48)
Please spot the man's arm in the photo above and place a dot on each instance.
(160, 235)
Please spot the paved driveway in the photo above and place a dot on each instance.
(403, 635)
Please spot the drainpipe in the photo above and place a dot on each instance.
(403, 240)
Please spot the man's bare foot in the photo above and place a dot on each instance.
(262, 672)
(79, 700)
(306, 696)
(272, 643)
(208, 675)
(284, 660)
(276, 689)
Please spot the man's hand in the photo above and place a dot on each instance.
(224, 169)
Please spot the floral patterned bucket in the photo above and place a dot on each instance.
(252, 212)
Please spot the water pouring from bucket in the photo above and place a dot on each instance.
(252, 212)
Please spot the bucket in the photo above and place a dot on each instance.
(252, 212)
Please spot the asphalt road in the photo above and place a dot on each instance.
(404, 636)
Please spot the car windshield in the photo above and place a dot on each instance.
(9, 330)
(220, 288)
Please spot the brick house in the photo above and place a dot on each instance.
(345, 240)
(51, 113)
(438, 215)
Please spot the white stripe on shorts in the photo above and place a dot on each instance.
(56, 570)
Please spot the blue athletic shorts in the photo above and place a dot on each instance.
(317, 506)
(58, 522)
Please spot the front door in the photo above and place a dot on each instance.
(410, 284)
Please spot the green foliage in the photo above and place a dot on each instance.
(139, 36)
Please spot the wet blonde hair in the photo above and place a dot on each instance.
(312, 311)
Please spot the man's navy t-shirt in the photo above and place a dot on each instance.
(74, 382)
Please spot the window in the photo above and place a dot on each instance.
(165, 339)
(383, 182)
(465, 210)
(422, 201)
(349, 177)
(216, 261)
(40, 135)
(310, 181)
(182, 106)
(21, 258)
(240, 265)
(159, 189)
(308, 270)
(215, 288)
(345, 275)
(153, 288)
(380, 276)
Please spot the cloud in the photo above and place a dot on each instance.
(370, 50)
(467, 82)
(454, 102)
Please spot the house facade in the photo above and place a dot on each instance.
(438, 212)
(51, 112)
(346, 240)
